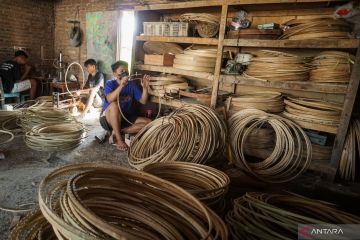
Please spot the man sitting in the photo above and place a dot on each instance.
(111, 118)
(94, 86)
(12, 79)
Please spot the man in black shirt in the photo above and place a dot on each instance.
(13, 80)
(95, 83)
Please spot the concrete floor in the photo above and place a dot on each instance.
(23, 169)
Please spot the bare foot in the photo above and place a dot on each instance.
(121, 146)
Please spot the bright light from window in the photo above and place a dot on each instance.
(127, 24)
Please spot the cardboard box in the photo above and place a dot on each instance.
(159, 60)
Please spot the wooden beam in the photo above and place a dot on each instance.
(162, 69)
(311, 43)
(346, 113)
(192, 40)
(287, 85)
(224, 12)
(243, 2)
(179, 5)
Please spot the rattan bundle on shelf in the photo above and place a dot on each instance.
(167, 84)
(290, 157)
(207, 25)
(331, 67)
(271, 102)
(270, 65)
(51, 137)
(312, 111)
(194, 133)
(207, 184)
(200, 60)
(95, 201)
(162, 48)
(301, 29)
(278, 216)
(349, 162)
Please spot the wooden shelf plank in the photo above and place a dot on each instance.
(316, 127)
(287, 85)
(176, 103)
(192, 40)
(243, 2)
(310, 43)
(178, 5)
(162, 69)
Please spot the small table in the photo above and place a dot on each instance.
(61, 87)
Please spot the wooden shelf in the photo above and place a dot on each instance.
(317, 127)
(243, 2)
(287, 85)
(310, 43)
(162, 69)
(179, 5)
(192, 40)
(176, 103)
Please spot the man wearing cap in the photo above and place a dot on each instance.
(13, 80)
(128, 93)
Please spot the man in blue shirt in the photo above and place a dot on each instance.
(129, 94)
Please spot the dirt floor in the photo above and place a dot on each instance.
(23, 169)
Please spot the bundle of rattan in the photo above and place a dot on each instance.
(349, 162)
(167, 84)
(300, 29)
(270, 65)
(92, 201)
(162, 48)
(271, 102)
(331, 66)
(50, 137)
(207, 184)
(260, 143)
(275, 216)
(292, 152)
(194, 133)
(33, 116)
(8, 120)
(207, 25)
(200, 60)
(312, 111)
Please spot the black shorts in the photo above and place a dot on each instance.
(124, 124)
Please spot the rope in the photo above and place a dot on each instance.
(289, 158)
(275, 216)
(194, 133)
(93, 201)
(83, 75)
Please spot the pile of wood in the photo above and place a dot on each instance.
(271, 102)
(270, 65)
(199, 60)
(167, 84)
(300, 29)
(349, 162)
(332, 67)
(312, 111)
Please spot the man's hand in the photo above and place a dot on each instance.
(123, 81)
(145, 81)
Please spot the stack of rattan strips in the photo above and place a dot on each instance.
(167, 84)
(93, 201)
(270, 65)
(271, 102)
(162, 48)
(194, 133)
(313, 111)
(331, 67)
(291, 155)
(301, 29)
(207, 25)
(199, 60)
(260, 143)
(50, 137)
(349, 162)
(207, 184)
(279, 216)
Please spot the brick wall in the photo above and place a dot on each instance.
(29, 24)
(66, 9)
